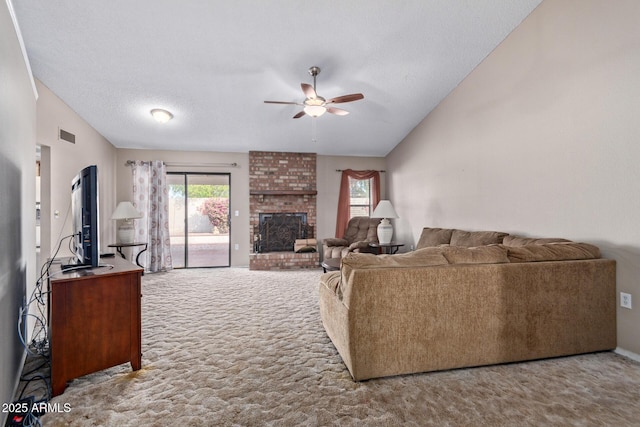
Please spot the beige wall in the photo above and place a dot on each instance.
(329, 186)
(65, 161)
(17, 198)
(328, 183)
(542, 139)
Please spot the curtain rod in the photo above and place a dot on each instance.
(342, 170)
(185, 164)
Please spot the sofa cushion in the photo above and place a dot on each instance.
(362, 228)
(511, 240)
(552, 252)
(476, 238)
(434, 237)
(419, 258)
(494, 254)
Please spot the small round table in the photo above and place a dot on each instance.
(119, 247)
(386, 248)
(331, 264)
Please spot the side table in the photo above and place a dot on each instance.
(119, 247)
(331, 264)
(386, 248)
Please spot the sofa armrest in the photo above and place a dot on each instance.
(335, 242)
(358, 246)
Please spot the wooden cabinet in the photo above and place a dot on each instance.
(94, 320)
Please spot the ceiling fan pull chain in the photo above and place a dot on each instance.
(314, 129)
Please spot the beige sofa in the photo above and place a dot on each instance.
(468, 299)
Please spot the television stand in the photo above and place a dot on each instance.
(73, 265)
(95, 320)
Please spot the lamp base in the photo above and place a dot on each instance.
(125, 233)
(385, 232)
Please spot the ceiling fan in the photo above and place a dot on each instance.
(315, 105)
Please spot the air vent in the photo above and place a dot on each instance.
(67, 136)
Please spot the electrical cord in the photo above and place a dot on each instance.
(28, 381)
(39, 346)
(39, 343)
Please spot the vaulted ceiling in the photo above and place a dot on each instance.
(213, 63)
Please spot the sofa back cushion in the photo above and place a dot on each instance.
(476, 238)
(512, 240)
(492, 254)
(552, 252)
(419, 258)
(434, 237)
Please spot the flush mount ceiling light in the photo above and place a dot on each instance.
(161, 116)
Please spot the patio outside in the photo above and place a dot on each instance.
(207, 227)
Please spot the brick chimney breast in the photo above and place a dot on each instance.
(281, 183)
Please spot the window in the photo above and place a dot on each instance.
(359, 197)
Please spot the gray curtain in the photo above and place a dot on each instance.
(151, 198)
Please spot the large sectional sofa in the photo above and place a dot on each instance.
(465, 299)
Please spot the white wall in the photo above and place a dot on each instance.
(62, 161)
(542, 139)
(17, 197)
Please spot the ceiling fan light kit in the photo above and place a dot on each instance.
(314, 105)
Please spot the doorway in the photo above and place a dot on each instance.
(199, 222)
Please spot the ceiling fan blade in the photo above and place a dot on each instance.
(337, 111)
(282, 102)
(308, 90)
(300, 114)
(345, 98)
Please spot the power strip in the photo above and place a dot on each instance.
(20, 412)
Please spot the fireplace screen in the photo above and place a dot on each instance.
(277, 232)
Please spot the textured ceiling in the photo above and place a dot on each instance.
(213, 63)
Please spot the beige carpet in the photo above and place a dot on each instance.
(238, 347)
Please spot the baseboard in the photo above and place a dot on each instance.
(627, 353)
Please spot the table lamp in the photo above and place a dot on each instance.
(385, 211)
(127, 213)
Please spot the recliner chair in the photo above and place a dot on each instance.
(361, 230)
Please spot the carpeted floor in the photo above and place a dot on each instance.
(238, 347)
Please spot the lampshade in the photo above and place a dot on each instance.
(125, 210)
(384, 210)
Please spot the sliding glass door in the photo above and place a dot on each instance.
(199, 223)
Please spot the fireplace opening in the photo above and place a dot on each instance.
(277, 232)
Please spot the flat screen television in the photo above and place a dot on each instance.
(84, 209)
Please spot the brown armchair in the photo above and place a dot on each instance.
(361, 230)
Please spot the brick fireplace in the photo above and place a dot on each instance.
(281, 183)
